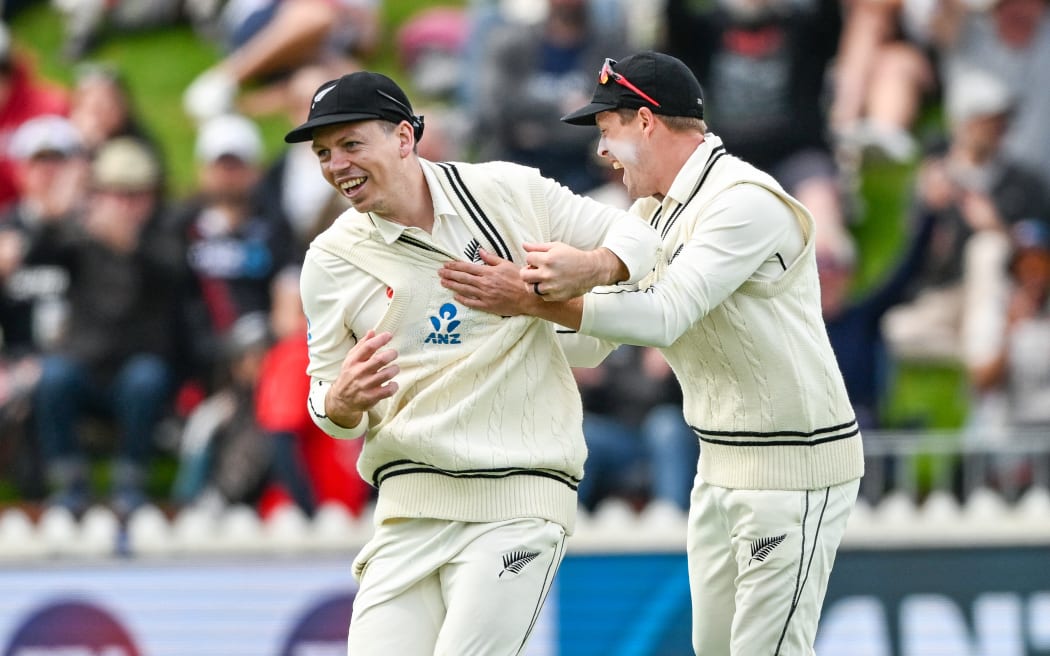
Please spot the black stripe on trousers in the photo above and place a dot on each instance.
(801, 578)
(548, 584)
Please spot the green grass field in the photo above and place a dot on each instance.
(159, 64)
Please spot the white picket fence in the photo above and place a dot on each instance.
(920, 489)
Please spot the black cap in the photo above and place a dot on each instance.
(661, 77)
(357, 97)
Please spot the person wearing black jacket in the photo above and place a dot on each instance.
(114, 357)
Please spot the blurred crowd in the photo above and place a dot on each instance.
(137, 324)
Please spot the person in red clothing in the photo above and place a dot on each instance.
(252, 442)
(331, 465)
(22, 97)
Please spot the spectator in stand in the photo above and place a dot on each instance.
(302, 450)
(223, 459)
(232, 246)
(638, 443)
(102, 108)
(50, 172)
(22, 96)
(430, 48)
(763, 64)
(530, 76)
(883, 74)
(607, 17)
(854, 324)
(975, 187)
(1012, 386)
(289, 34)
(1010, 39)
(115, 358)
(252, 441)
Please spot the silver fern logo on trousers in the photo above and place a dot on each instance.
(515, 561)
(760, 549)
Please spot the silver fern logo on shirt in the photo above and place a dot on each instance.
(473, 251)
(445, 324)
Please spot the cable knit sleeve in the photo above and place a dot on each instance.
(737, 237)
(328, 338)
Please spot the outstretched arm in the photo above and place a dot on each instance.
(558, 272)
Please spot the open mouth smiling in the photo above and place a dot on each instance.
(352, 184)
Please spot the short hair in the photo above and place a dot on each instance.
(389, 126)
(673, 123)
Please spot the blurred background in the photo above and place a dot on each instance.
(158, 470)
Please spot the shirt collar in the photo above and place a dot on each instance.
(390, 231)
(686, 180)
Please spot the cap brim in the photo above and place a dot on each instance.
(586, 115)
(305, 132)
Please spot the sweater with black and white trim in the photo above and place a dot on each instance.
(486, 424)
(761, 385)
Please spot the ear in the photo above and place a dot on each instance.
(406, 138)
(648, 120)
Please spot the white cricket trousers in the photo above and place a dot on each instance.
(432, 587)
(759, 563)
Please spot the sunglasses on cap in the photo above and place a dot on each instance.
(607, 73)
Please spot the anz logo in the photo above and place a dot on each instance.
(445, 325)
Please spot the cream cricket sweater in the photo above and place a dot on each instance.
(761, 384)
(487, 422)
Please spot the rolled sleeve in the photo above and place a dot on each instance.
(738, 237)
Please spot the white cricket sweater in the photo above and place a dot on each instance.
(487, 421)
(761, 385)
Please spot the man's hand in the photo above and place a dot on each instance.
(12, 248)
(979, 212)
(558, 272)
(935, 186)
(495, 286)
(366, 377)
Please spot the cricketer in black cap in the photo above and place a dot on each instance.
(357, 96)
(648, 79)
(735, 306)
(453, 404)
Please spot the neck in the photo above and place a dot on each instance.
(674, 153)
(414, 207)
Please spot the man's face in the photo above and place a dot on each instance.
(362, 160)
(621, 143)
(39, 174)
(228, 179)
(1017, 21)
(980, 136)
(1031, 269)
